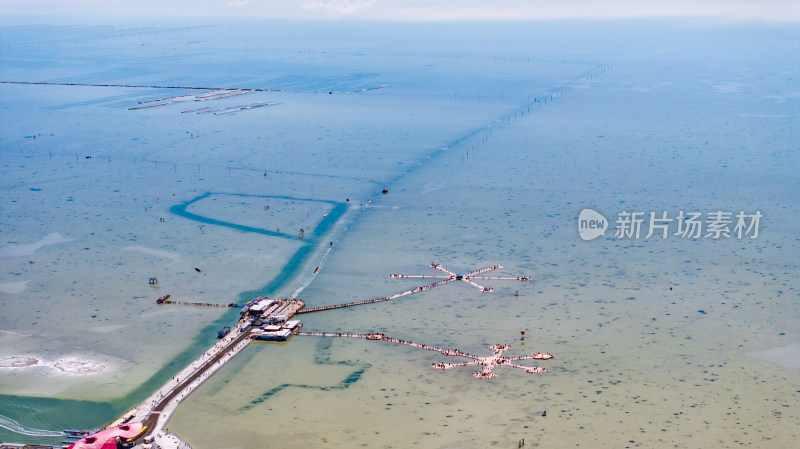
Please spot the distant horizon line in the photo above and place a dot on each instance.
(83, 20)
(776, 11)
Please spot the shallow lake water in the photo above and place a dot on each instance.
(490, 141)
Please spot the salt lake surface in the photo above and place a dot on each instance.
(490, 139)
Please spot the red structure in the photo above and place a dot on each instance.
(487, 364)
(107, 439)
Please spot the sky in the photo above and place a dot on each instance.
(398, 10)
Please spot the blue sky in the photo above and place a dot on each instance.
(403, 10)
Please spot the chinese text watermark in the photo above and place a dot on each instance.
(685, 224)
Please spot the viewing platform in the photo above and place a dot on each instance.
(155, 411)
(271, 320)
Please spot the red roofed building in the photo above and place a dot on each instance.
(107, 439)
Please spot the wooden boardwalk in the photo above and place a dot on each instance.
(156, 410)
(373, 301)
(487, 364)
(451, 277)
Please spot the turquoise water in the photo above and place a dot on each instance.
(490, 141)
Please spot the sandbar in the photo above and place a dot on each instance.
(30, 248)
(18, 361)
(153, 252)
(787, 356)
(13, 287)
(78, 366)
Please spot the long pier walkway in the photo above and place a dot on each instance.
(165, 300)
(487, 363)
(468, 278)
(451, 277)
(372, 301)
(207, 88)
(154, 411)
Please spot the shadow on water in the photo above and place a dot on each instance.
(322, 356)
